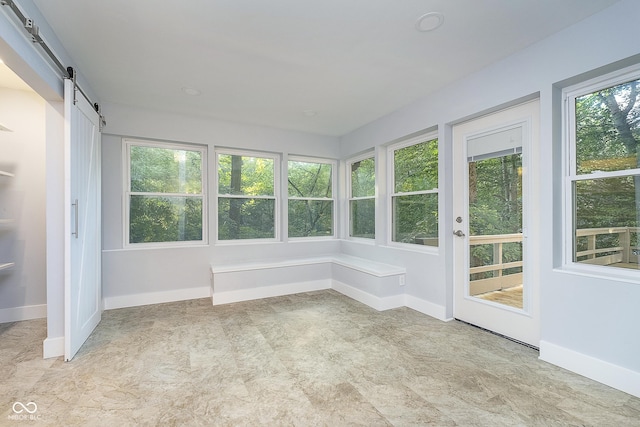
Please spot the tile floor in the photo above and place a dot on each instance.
(313, 359)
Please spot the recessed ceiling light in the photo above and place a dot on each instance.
(191, 91)
(429, 22)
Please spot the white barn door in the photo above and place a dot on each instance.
(83, 276)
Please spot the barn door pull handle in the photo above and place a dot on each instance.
(75, 208)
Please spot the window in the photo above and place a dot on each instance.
(247, 195)
(414, 194)
(311, 203)
(603, 180)
(165, 194)
(362, 198)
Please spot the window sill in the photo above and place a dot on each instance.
(362, 240)
(241, 242)
(423, 249)
(311, 239)
(146, 247)
(601, 273)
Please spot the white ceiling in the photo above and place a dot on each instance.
(269, 62)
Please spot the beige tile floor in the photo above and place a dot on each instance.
(314, 359)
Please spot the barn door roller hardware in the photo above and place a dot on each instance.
(67, 72)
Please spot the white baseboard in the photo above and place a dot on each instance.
(604, 372)
(269, 291)
(26, 312)
(53, 347)
(378, 303)
(426, 307)
(147, 298)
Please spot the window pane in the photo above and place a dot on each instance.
(246, 218)
(416, 167)
(415, 219)
(310, 218)
(495, 196)
(165, 170)
(608, 129)
(251, 176)
(309, 179)
(363, 178)
(165, 219)
(606, 221)
(363, 220)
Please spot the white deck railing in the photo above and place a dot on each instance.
(623, 252)
(499, 279)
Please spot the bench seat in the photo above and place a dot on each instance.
(373, 283)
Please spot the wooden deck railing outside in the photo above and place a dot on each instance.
(499, 279)
(623, 252)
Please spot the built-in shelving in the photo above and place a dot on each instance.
(6, 265)
(5, 224)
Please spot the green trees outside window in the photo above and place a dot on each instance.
(414, 199)
(362, 219)
(246, 197)
(495, 208)
(310, 204)
(165, 197)
(605, 173)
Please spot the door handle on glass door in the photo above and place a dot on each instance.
(459, 233)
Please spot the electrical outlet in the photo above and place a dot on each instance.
(401, 280)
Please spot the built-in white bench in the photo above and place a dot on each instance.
(376, 284)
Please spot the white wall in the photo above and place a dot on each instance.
(154, 275)
(591, 319)
(54, 344)
(22, 198)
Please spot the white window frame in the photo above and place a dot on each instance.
(276, 194)
(391, 149)
(350, 198)
(333, 198)
(127, 143)
(570, 175)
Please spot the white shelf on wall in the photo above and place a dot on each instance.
(6, 265)
(6, 223)
(3, 173)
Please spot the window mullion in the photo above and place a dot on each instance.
(414, 193)
(157, 194)
(244, 196)
(607, 174)
(321, 199)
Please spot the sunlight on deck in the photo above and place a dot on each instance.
(511, 296)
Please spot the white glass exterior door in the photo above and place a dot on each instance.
(492, 285)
